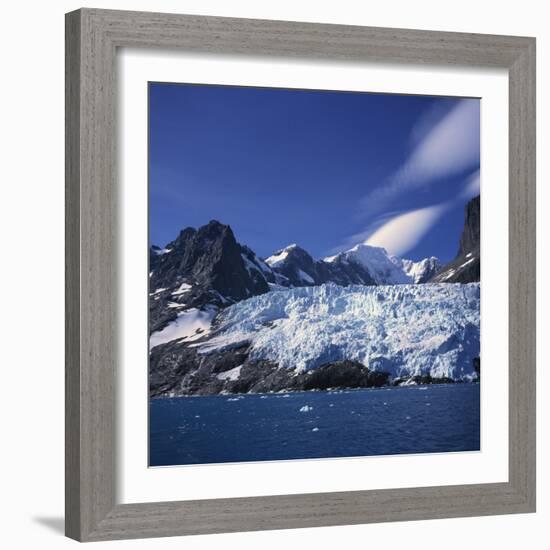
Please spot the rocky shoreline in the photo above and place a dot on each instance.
(179, 370)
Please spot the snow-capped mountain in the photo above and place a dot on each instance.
(381, 266)
(300, 269)
(465, 268)
(363, 264)
(295, 264)
(328, 336)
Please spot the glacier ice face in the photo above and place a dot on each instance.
(405, 330)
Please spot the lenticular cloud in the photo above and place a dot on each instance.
(449, 148)
(403, 232)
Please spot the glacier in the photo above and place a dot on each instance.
(405, 330)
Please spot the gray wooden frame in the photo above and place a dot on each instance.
(92, 38)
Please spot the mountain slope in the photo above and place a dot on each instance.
(300, 269)
(465, 268)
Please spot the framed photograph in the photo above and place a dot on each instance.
(289, 246)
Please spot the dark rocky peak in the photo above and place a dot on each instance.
(465, 268)
(290, 252)
(212, 231)
(469, 239)
(215, 230)
(183, 238)
(200, 267)
(295, 251)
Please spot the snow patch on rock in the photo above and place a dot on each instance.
(189, 325)
(232, 374)
(279, 257)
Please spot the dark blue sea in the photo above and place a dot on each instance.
(384, 421)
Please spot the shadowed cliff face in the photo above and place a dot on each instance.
(469, 239)
(204, 266)
(210, 256)
(465, 268)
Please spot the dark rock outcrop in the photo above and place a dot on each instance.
(465, 268)
(176, 369)
(343, 374)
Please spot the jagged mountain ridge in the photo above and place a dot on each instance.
(207, 266)
(361, 265)
(300, 269)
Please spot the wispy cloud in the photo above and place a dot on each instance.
(449, 148)
(472, 187)
(403, 232)
(399, 232)
(443, 144)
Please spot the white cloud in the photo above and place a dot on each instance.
(472, 188)
(450, 147)
(443, 145)
(403, 232)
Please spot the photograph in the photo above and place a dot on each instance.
(313, 274)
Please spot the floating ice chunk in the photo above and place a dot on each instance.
(305, 409)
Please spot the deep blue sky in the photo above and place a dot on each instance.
(293, 166)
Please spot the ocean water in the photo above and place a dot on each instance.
(383, 421)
